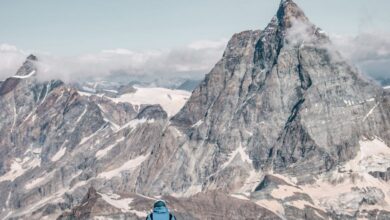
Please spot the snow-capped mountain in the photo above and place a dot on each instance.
(281, 128)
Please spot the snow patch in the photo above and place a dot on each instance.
(345, 187)
(101, 153)
(19, 167)
(82, 114)
(53, 198)
(85, 139)
(239, 151)
(239, 196)
(88, 94)
(59, 154)
(370, 112)
(197, 124)
(129, 165)
(78, 184)
(25, 76)
(300, 204)
(273, 206)
(134, 123)
(289, 180)
(349, 102)
(102, 218)
(14, 118)
(110, 90)
(284, 191)
(192, 190)
(122, 204)
(87, 89)
(8, 199)
(374, 155)
(177, 131)
(170, 100)
(115, 126)
(38, 181)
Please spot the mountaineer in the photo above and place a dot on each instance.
(160, 212)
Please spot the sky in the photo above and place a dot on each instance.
(101, 30)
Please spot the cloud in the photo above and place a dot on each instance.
(196, 58)
(300, 32)
(11, 58)
(208, 44)
(369, 51)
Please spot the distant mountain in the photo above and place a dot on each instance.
(384, 81)
(281, 128)
(186, 82)
(189, 85)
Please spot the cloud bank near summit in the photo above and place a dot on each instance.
(369, 51)
(194, 59)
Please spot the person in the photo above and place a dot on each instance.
(160, 212)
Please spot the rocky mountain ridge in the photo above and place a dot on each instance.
(278, 121)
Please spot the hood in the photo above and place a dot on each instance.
(160, 210)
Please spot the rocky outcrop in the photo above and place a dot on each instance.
(382, 175)
(210, 205)
(85, 210)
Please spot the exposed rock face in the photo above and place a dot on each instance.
(287, 105)
(382, 175)
(279, 120)
(85, 210)
(279, 101)
(54, 142)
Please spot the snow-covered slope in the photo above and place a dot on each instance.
(170, 100)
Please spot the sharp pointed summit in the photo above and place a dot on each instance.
(26, 71)
(289, 12)
(28, 68)
(32, 57)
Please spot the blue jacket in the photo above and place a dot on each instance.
(160, 213)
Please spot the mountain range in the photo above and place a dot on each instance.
(281, 128)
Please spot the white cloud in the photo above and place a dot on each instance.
(196, 58)
(11, 58)
(208, 44)
(369, 51)
(300, 32)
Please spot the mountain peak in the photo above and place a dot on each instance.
(32, 57)
(289, 12)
